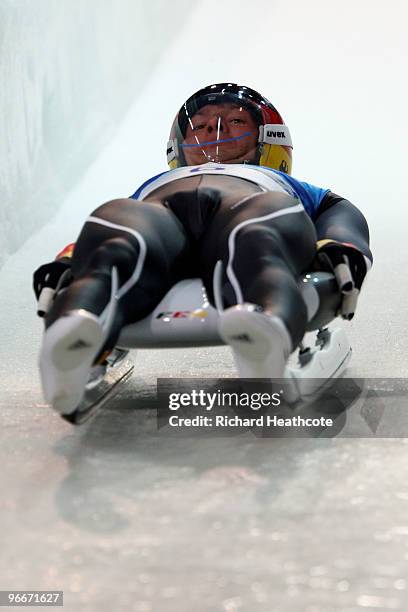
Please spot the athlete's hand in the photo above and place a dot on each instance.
(47, 279)
(349, 267)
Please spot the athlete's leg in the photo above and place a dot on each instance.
(143, 247)
(264, 243)
(145, 242)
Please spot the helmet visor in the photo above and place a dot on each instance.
(222, 132)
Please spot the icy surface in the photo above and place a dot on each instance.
(122, 518)
(64, 73)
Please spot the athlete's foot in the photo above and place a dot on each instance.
(69, 348)
(260, 343)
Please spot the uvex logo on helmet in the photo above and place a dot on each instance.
(271, 134)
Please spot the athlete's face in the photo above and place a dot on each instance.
(224, 133)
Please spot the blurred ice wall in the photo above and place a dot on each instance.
(68, 71)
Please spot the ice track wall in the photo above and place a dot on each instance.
(68, 71)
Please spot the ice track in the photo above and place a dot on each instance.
(122, 518)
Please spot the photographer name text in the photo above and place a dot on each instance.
(260, 421)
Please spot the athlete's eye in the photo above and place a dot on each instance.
(236, 120)
(199, 126)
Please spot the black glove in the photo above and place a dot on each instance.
(47, 279)
(349, 267)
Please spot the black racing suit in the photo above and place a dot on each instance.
(264, 239)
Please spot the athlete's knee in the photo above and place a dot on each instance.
(112, 206)
(119, 252)
(256, 240)
(253, 231)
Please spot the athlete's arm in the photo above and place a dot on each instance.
(50, 276)
(343, 247)
(339, 220)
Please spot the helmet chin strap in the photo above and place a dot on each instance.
(248, 158)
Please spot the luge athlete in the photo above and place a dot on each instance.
(228, 201)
